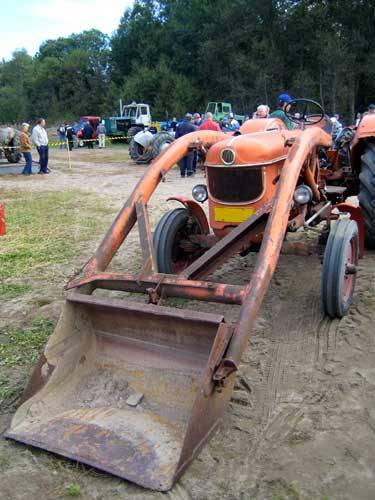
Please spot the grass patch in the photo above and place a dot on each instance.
(19, 347)
(9, 291)
(47, 228)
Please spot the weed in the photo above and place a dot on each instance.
(293, 492)
(4, 462)
(73, 490)
(7, 391)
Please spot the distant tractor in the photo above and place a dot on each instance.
(221, 111)
(133, 118)
(145, 146)
(9, 144)
(94, 122)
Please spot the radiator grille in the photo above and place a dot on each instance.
(235, 184)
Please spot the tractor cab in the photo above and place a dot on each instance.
(138, 114)
(133, 117)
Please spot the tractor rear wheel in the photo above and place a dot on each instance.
(161, 141)
(133, 131)
(366, 195)
(13, 156)
(136, 150)
(339, 268)
(173, 250)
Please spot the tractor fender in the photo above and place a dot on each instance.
(355, 214)
(144, 138)
(195, 209)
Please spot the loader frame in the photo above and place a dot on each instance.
(230, 340)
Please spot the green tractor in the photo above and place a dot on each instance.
(221, 110)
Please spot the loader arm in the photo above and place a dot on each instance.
(271, 246)
(127, 217)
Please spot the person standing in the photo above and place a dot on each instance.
(101, 130)
(197, 120)
(25, 149)
(232, 123)
(88, 132)
(62, 136)
(186, 163)
(69, 136)
(40, 139)
(209, 123)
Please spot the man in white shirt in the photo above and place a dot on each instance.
(40, 139)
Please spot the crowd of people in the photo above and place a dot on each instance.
(195, 122)
(86, 134)
(68, 133)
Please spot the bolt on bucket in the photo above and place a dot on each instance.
(127, 388)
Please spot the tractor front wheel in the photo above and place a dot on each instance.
(174, 251)
(366, 195)
(339, 268)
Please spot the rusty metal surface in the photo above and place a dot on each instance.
(167, 285)
(117, 348)
(142, 450)
(234, 242)
(195, 209)
(145, 237)
(355, 214)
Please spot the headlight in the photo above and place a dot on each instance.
(303, 194)
(199, 193)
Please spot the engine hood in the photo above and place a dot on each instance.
(258, 148)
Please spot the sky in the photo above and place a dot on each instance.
(27, 23)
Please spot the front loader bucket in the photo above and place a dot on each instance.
(126, 387)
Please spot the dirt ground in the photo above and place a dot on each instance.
(305, 426)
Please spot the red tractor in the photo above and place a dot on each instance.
(94, 122)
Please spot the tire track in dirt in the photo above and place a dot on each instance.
(294, 329)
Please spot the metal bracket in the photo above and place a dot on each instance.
(145, 237)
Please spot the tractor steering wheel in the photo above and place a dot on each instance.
(305, 112)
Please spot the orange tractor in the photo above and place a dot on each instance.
(137, 388)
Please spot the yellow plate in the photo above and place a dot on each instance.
(232, 214)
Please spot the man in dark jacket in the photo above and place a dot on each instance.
(69, 136)
(88, 132)
(186, 163)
